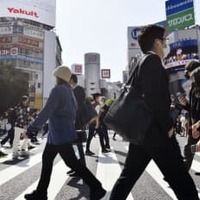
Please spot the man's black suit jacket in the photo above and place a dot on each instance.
(154, 83)
(79, 94)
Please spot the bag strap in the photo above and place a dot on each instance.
(137, 64)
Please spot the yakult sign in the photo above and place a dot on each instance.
(42, 11)
(180, 14)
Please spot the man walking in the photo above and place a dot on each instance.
(159, 143)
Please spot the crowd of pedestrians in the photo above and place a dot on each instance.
(16, 120)
(63, 118)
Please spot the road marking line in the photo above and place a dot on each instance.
(156, 174)
(58, 179)
(108, 170)
(12, 171)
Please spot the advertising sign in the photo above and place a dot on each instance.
(105, 73)
(11, 51)
(180, 14)
(28, 41)
(92, 58)
(42, 11)
(33, 33)
(5, 39)
(181, 53)
(133, 33)
(77, 68)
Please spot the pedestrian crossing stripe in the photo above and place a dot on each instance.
(58, 179)
(105, 173)
(14, 170)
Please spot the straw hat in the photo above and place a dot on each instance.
(63, 73)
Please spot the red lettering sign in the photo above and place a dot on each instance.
(23, 12)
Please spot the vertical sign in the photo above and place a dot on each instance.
(180, 14)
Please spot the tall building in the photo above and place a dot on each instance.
(28, 42)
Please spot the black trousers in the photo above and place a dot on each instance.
(10, 137)
(81, 154)
(169, 161)
(91, 135)
(67, 153)
(189, 156)
(104, 129)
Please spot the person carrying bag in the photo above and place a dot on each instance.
(130, 116)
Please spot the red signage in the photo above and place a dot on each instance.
(105, 73)
(78, 69)
(23, 12)
(6, 39)
(28, 41)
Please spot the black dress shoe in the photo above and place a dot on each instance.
(36, 195)
(97, 194)
(70, 171)
(106, 151)
(74, 175)
(31, 147)
(89, 153)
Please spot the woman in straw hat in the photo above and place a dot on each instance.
(60, 110)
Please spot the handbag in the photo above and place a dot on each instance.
(129, 115)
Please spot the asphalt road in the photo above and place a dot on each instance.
(19, 177)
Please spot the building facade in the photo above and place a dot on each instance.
(28, 42)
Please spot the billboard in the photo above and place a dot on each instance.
(41, 11)
(105, 73)
(180, 14)
(77, 69)
(181, 53)
(133, 33)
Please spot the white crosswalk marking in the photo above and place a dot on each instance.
(15, 170)
(58, 178)
(156, 174)
(108, 170)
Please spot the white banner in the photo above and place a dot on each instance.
(43, 11)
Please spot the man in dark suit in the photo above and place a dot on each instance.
(80, 96)
(159, 143)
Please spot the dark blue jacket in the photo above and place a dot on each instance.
(60, 110)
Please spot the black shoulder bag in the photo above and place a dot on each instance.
(130, 116)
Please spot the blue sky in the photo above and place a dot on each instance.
(101, 26)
